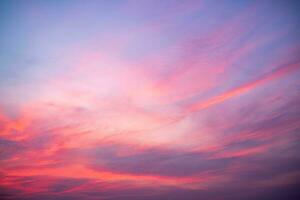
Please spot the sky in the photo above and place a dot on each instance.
(149, 100)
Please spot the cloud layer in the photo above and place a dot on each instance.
(149, 100)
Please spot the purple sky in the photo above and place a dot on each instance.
(149, 100)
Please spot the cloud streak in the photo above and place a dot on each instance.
(149, 100)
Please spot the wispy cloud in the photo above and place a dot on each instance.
(149, 100)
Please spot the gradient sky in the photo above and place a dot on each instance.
(149, 100)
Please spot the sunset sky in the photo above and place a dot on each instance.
(149, 100)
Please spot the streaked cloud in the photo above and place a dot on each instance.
(149, 100)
